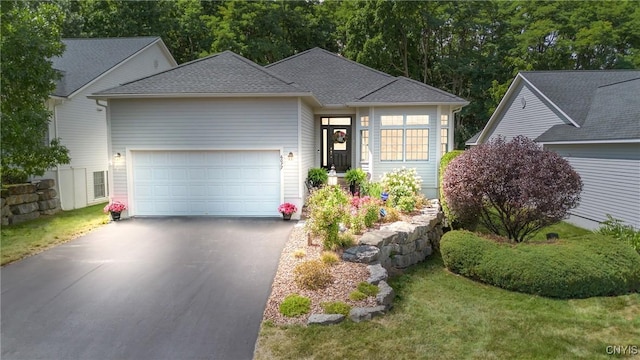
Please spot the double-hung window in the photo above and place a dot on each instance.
(99, 184)
(364, 139)
(444, 133)
(404, 137)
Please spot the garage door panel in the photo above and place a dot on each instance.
(225, 183)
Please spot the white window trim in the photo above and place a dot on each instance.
(404, 127)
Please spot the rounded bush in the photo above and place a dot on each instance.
(336, 307)
(579, 267)
(312, 275)
(295, 305)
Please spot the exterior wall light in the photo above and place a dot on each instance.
(117, 155)
(290, 156)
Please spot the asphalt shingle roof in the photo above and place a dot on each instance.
(614, 114)
(405, 90)
(225, 72)
(573, 91)
(84, 60)
(333, 79)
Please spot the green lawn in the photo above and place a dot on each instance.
(18, 241)
(440, 315)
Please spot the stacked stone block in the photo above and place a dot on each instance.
(24, 202)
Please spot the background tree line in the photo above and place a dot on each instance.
(470, 48)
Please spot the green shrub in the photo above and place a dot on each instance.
(355, 177)
(406, 204)
(336, 307)
(392, 215)
(444, 162)
(618, 230)
(402, 184)
(312, 275)
(372, 211)
(345, 240)
(329, 258)
(579, 267)
(358, 223)
(295, 305)
(372, 189)
(328, 207)
(317, 176)
(357, 295)
(368, 289)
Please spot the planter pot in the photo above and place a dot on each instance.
(286, 216)
(115, 216)
(354, 188)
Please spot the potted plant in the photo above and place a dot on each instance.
(355, 178)
(286, 210)
(317, 177)
(115, 208)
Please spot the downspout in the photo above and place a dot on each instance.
(109, 158)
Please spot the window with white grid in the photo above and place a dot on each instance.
(364, 145)
(417, 144)
(99, 185)
(391, 144)
(404, 138)
(444, 133)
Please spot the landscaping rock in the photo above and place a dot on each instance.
(48, 204)
(2, 202)
(21, 199)
(377, 274)
(46, 194)
(366, 314)
(46, 184)
(50, 212)
(6, 211)
(385, 295)
(4, 221)
(377, 238)
(20, 189)
(365, 254)
(402, 261)
(404, 229)
(24, 208)
(325, 319)
(16, 219)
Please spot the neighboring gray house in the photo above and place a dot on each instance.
(592, 118)
(87, 66)
(224, 136)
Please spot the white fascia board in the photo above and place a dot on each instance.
(364, 104)
(98, 96)
(579, 142)
(163, 47)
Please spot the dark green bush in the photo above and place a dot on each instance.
(580, 267)
(295, 305)
(336, 307)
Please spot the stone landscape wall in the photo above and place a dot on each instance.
(24, 202)
(400, 244)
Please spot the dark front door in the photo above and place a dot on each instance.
(336, 143)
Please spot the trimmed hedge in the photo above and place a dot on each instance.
(444, 162)
(579, 267)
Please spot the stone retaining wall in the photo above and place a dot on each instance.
(24, 202)
(400, 244)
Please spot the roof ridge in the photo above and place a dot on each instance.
(394, 79)
(113, 38)
(334, 55)
(263, 69)
(576, 71)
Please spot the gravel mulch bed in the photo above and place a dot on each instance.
(346, 277)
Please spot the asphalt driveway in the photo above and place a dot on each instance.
(149, 288)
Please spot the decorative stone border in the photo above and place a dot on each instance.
(392, 247)
(24, 202)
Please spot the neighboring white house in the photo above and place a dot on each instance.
(591, 118)
(87, 66)
(224, 136)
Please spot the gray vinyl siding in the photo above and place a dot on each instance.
(531, 121)
(611, 177)
(205, 124)
(308, 142)
(426, 169)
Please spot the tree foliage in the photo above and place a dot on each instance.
(30, 37)
(515, 187)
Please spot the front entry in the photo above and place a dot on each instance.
(336, 143)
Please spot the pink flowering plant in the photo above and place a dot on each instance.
(287, 208)
(115, 206)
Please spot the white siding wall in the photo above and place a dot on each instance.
(426, 169)
(308, 153)
(205, 124)
(611, 177)
(82, 128)
(531, 121)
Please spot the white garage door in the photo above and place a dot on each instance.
(223, 183)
